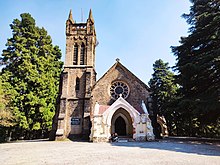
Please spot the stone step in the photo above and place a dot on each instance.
(124, 139)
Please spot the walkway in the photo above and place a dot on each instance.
(130, 153)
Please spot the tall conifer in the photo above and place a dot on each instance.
(198, 63)
(30, 74)
(163, 90)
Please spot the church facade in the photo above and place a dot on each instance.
(117, 103)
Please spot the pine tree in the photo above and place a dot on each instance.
(7, 119)
(31, 72)
(198, 64)
(164, 90)
(6, 116)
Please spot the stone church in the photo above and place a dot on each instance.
(117, 103)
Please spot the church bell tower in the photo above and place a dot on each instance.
(77, 79)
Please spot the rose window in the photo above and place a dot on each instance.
(119, 88)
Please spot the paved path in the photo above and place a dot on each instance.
(130, 153)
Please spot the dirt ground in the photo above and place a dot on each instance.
(164, 152)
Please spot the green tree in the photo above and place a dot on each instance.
(6, 115)
(31, 73)
(198, 64)
(164, 91)
(7, 118)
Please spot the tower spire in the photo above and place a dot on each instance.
(90, 16)
(70, 18)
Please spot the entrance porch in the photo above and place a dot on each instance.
(120, 118)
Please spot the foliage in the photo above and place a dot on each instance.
(7, 119)
(164, 91)
(6, 115)
(31, 72)
(198, 64)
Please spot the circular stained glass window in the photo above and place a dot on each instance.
(119, 88)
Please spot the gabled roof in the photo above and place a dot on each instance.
(120, 103)
(118, 64)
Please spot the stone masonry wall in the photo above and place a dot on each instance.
(101, 91)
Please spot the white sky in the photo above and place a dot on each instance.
(138, 32)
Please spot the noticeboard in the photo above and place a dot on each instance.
(75, 121)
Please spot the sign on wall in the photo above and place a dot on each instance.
(75, 121)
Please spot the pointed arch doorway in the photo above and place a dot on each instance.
(120, 126)
(122, 123)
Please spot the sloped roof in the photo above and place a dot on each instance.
(103, 108)
(139, 109)
(118, 64)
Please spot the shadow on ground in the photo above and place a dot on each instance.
(78, 138)
(191, 147)
(177, 145)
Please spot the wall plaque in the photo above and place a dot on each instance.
(75, 121)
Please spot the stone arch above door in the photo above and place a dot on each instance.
(121, 103)
(127, 119)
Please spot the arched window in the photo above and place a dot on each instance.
(77, 83)
(75, 54)
(82, 54)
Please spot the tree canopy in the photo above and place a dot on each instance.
(7, 118)
(162, 85)
(30, 75)
(198, 65)
(163, 91)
